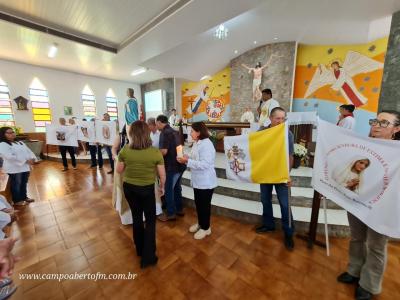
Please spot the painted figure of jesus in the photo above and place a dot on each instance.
(257, 76)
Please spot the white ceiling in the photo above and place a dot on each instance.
(182, 45)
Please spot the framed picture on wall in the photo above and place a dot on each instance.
(68, 110)
(22, 103)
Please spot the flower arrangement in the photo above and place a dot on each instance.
(300, 150)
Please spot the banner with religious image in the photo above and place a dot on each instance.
(106, 132)
(61, 135)
(360, 174)
(86, 131)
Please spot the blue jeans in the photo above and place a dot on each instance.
(109, 153)
(282, 191)
(18, 184)
(173, 192)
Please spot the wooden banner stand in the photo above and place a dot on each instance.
(312, 232)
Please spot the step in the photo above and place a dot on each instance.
(250, 211)
(300, 196)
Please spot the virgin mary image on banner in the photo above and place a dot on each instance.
(351, 175)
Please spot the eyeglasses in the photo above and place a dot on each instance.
(10, 132)
(383, 123)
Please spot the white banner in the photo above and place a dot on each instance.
(86, 131)
(106, 132)
(360, 174)
(61, 135)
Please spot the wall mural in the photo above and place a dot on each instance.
(208, 99)
(328, 76)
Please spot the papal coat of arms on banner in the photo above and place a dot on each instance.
(235, 154)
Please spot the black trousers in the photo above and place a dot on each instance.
(71, 151)
(202, 199)
(141, 200)
(95, 149)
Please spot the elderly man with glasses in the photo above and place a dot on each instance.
(278, 116)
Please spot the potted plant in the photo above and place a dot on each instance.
(300, 152)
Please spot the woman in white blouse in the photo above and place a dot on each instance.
(201, 162)
(18, 159)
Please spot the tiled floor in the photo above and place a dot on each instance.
(73, 228)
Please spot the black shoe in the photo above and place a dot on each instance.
(264, 229)
(347, 278)
(180, 213)
(148, 264)
(64, 170)
(92, 166)
(289, 243)
(362, 294)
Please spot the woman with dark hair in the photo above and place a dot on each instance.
(18, 159)
(201, 162)
(368, 248)
(138, 161)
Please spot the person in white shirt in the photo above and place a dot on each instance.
(267, 104)
(174, 119)
(346, 118)
(201, 162)
(155, 138)
(248, 116)
(18, 159)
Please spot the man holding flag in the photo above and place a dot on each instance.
(265, 157)
(278, 116)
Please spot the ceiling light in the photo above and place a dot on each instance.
(53, 51)
(138, 71)
(275, 38)
(221, 32)
(236, 52)
(205, 77)
(255, 42)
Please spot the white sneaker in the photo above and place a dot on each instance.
(194, 228)
(201, 234)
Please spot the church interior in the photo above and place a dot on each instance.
(77, 76)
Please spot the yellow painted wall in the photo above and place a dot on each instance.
(219, 91)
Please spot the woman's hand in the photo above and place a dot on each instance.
(30, 161)
(161, 191)
(183, 160)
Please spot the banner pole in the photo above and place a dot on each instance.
(326, 226)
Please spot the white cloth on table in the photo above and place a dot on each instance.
(299, 118)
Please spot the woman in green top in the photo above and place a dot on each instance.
(139, 162)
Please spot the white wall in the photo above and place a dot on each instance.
(178, 94)
(64, 89)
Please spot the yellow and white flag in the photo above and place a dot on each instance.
(259, 157)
